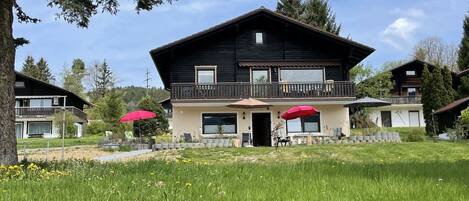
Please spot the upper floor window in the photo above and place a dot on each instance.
(410, 73)
(19, 84)
(260, 76)
(411, 91)
(205, 74)
(40, 102)
(259, 38)
(301, 75)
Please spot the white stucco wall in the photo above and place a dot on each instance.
(399, 114)
(189, 119)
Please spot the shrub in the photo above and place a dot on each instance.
(125, 148)
(416, 135)
(96, 128)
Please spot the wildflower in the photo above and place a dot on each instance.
(440, 179)
(188, 184)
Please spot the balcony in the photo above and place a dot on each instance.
(237, 90)
(404, 99)
(48, 111)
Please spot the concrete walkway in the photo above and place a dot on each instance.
(122, 155)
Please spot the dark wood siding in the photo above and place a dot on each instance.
(237, 43)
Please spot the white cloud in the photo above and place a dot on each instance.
(400, 32)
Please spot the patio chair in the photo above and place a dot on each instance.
(187, 137)
(246, 138)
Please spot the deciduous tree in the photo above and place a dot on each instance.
(72, 79)
(72, 11)
(435, 51)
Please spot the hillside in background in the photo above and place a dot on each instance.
(132, 95)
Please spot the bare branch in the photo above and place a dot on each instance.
(22, 16)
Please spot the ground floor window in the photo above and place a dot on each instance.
(414, 118)
(214, 123)
(39, 127)
(19, 130)
(311, 124)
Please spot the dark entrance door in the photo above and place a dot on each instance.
(261, 133)
(386, 119)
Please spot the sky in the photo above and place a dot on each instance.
(124, 40)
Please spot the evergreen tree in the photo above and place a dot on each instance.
(149, 127)
(313, 12)
(463, 55)
(448, 85)
(290, 8)
(428, 100)
(438, 89)
(463, 88)
(110, 108)
(72, 79)
(43, 70)
(102, 80)
(29, 67)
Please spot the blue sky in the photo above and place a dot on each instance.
(392, 27)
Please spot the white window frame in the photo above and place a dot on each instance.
(412, 73)
(411, 88)
(259, 36)
(20, 84)
(321, 123)
(206, 67)
(254, 69)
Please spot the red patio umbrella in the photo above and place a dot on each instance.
(299, 111)
(137, 116)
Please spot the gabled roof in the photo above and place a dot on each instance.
(452, 105)
(358, 51)
(18, 74)
(464, 72)
(415, 61)
(261, 10)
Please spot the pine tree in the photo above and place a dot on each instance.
(43, 70)
(29, 67)
(448, 84)
(290, 8)
(463, 88)
(463, 55)
(313, 12)
(102, 80)
(72, 79)
(428, 100)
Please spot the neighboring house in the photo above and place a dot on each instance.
(261, 55)
(406, 109)
(447, 115)
(36, 104)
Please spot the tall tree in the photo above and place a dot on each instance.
(29, 67)
(313, 12)
(449, 94)
(463, 88)
(290, 8)
(43, 70)
(110, 108)
(438, 88)
(72, 11)
(435, 51)
(427, 100)
(371, 83)
(72, 79)
(101, 80)
(463, 54)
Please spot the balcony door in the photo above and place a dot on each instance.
(260, 79)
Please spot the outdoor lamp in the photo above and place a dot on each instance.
(244, 115)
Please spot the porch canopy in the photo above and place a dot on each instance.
(367, 102)
(249, 103)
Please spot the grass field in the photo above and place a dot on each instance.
(407, 171)
(32, 143)
(403, 131)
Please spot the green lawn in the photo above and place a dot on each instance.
(403, 131)
(33, 143)
(407, 171)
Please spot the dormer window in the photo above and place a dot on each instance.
(410, 73)
(205, 74)
(19, 84)
(259, 38)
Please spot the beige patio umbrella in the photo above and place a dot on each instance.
(248, 103)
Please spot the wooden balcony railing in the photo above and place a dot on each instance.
(404, 99)
(188, 91)
(48, 111)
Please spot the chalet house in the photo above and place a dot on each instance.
(262, 55)
(449, 114)
(36, 104)
(406, 109)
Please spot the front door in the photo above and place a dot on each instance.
(261, 132)
(386, 119)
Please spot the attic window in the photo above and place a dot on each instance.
(259, 38)
(19, 84)
(410, 73)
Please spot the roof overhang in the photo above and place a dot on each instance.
(321, 63)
